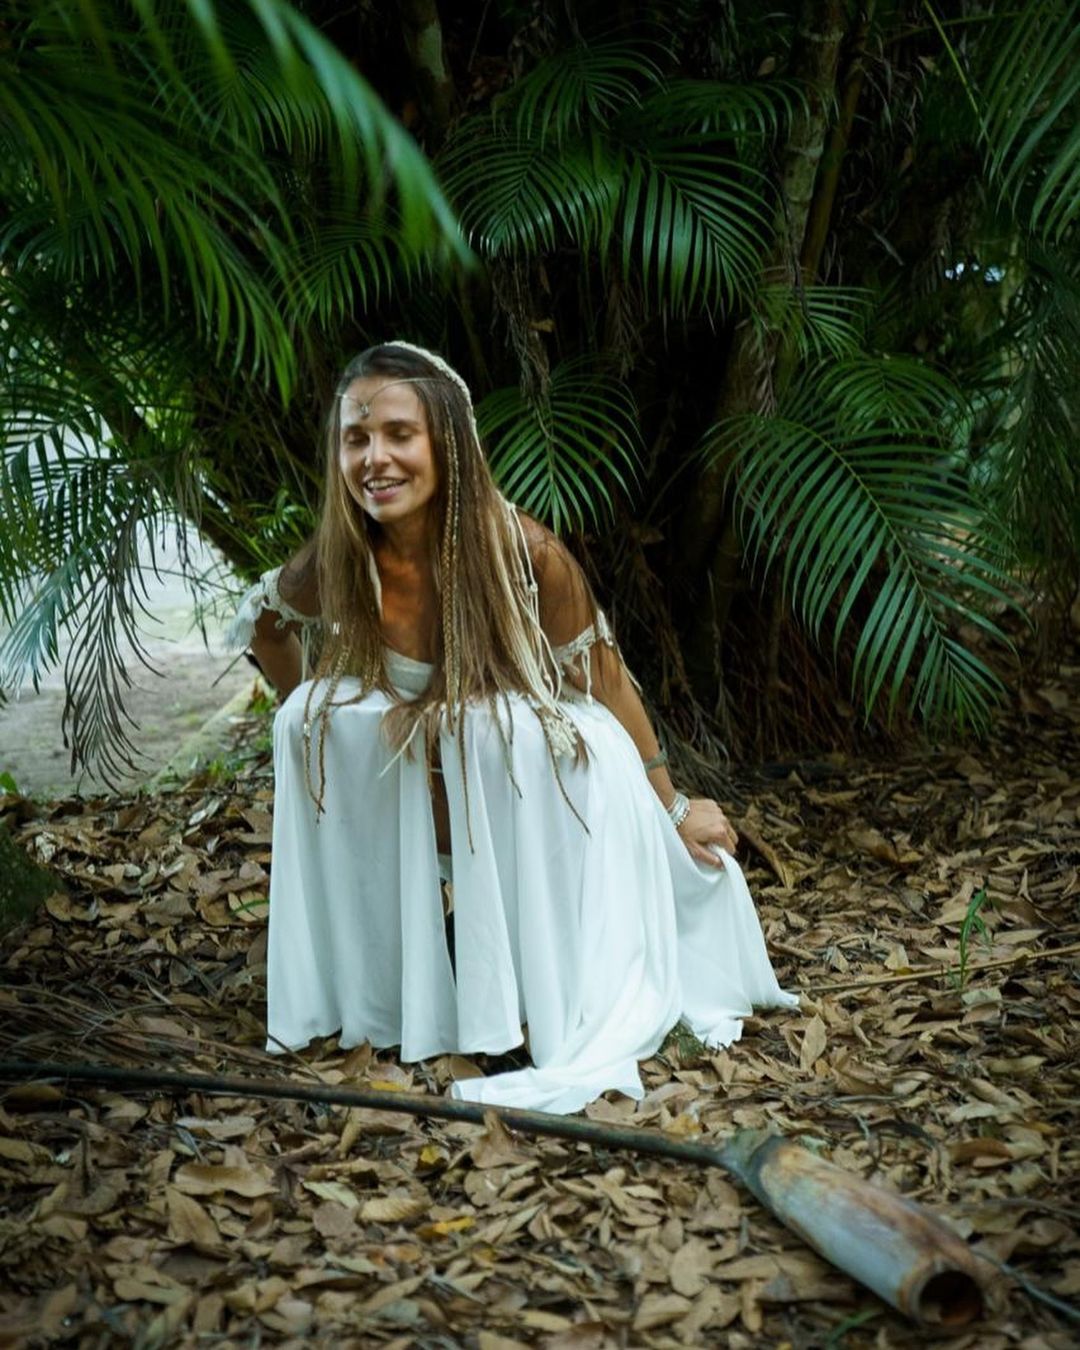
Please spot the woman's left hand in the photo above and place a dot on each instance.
(706, 824)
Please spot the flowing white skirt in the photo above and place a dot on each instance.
(598, 938)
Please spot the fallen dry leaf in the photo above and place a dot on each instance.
(393, 1208)
(189, 1222)
(208, 1179)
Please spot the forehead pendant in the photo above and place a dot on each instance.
(364, 409)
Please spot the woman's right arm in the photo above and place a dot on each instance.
(289, 598)
(278, 652)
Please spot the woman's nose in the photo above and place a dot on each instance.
(376, 453)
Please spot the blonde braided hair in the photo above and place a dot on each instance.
(489, 642)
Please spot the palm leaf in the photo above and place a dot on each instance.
(152, 162)
(344, 265)
(814, 321)
(691, 220)
(862, 506)
(1028, 106)
(694, 222)
(1029, 468)
(529, 193)
(886, 390)
(79, 568)
(722, 109)
(585, 84)
(559, 455)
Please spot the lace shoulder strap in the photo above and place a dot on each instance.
(265, 594)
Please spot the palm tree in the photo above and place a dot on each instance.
(878, 477)
(161, 266)
(782, 307)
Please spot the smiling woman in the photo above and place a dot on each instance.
(470, 720)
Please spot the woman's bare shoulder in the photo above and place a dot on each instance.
(567, 606)
(545, 547)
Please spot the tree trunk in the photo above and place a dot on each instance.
(434, 86)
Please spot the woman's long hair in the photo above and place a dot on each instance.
(489, 642)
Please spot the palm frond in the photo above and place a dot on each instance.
(559, 456)
(344, 265)
(885, 390)
(527, 195)
(865, 512)
(1029, 468)
(1030, 100)
(694, 223)
(155, 163)
(815, 322)
(722, 109)
(77, 572)
(586, 83)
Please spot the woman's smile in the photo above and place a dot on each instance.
(383, 489)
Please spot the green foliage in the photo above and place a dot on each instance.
(851, 488)
(838, 1335)
(814, 322)
(163, 182)
(280, 530)
(156, 159)
(973, 924)
(23, 884)
(1029, 470)
(532, 193)
(557, 454)
(1030, 102)
(684, 1047)
(584, 85)
(206, 206)
(594, 147)
(1022, 76)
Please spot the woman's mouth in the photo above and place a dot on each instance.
(382, 489)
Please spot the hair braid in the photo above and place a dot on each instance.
(490, 643)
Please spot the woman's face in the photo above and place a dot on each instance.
(385, 452)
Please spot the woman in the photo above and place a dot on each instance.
(470, 718)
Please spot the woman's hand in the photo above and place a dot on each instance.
(706, 824)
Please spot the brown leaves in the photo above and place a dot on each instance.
(691, 1267)
(495, 1147)
(209, 1218)
(393, 1209)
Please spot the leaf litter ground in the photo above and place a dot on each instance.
(926, 908)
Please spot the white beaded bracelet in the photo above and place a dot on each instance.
(679, 809)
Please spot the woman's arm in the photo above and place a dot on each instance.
(276, 644)
(278, 652)
(567, 610)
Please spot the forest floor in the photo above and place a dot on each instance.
(928, 910)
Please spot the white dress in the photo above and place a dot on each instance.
(598, 937)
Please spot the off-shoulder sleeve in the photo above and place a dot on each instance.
(265, 594)
(574, 658)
